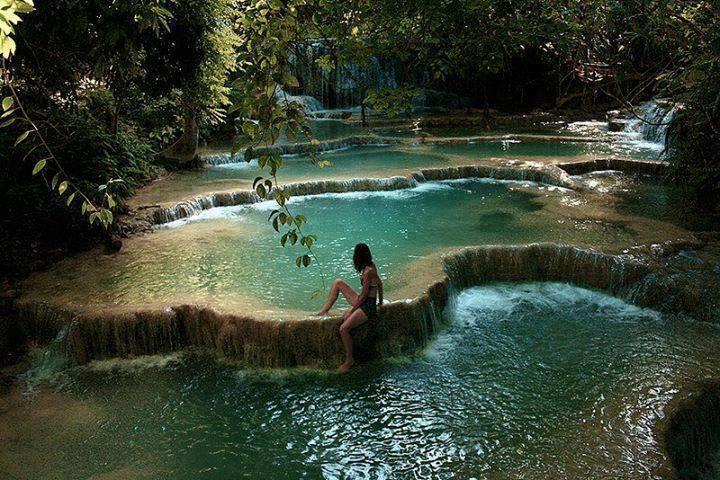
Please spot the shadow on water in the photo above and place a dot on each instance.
(656, 199)
(693, 434)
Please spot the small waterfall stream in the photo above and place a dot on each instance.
(655, 118)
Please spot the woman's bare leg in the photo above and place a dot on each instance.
(357, 318)
(338, 287)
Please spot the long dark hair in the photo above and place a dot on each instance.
(362, 257)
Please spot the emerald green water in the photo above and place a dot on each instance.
(655, 199)
(208, 255)
(405, 131)
(356, 161)
(513, 149)
(371, 161)
(322, 129)
(528, 381)
(351, 162)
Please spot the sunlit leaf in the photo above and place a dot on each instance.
(22, 138)
(39, 166)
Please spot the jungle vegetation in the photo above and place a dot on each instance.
(97, 95)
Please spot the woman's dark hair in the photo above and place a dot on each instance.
(362, 257)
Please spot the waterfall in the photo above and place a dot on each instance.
(308, 103)
(406, 326)
(655, 117)
(340, 85)
(47, 363)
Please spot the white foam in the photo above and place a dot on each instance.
(238, 165)
(588, 127)
(508, 298)
(134, 365)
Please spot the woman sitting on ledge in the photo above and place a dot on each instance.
(363, 307)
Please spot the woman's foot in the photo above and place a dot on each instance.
(345, 366)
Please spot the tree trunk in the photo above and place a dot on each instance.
(183, 152)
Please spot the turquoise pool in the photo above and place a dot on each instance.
(228, 253)
(527, 381)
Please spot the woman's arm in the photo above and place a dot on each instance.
(380, 290)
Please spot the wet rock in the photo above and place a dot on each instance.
(692, 434)
(113, 243)
(617, 124)
(12, 341)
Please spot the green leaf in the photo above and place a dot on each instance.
(7, 46)
(8, 123)
(39, 166)
(249, 153)
(298, 261)
(63, 186)
(7, 103)
(305, 260)
(108, 217)
(8, 113)
(70, 199)
(22, 138)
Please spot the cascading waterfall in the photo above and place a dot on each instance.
(655, 117)
(308, 103)
(342, 86)
(547, 174)
(46, 363)
(406, 324)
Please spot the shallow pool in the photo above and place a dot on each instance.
(528, 381)
(386, 160)
(548, 150)
(352, 162)
(230, 253)
(228, 173)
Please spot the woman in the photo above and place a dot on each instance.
(363, 307)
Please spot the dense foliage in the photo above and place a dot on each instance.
(96, 92)
(693, 80)
(93, 91)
